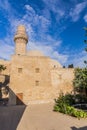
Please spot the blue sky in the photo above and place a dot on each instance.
(54, 27)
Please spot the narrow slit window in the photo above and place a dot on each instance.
(19, 70)
(37, 83)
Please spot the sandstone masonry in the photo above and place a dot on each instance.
(34, 78)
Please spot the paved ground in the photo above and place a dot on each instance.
(37, 117)
(41, 117)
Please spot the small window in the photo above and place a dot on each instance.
(19, 70)
(37, 83)
(60, 76)
(37, 70)
(55, 66)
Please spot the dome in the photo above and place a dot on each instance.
(55, 64)
(35, 53)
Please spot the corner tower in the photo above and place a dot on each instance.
(20, 40)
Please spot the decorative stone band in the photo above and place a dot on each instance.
(20, 36)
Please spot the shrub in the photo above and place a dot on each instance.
(63, 105)
(80, 80)
(67, 99)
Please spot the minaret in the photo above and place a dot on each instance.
(20, 40)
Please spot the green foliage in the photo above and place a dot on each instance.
(64, 66)
(64, 102)
(79, 98)
(85, 41)
(67, 99)
(71, 66)
(75, 112)
(2, 67)
(80, 80)
(63, 105)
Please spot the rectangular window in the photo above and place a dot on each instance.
(37, 83)
(19, 70)
(37, 70)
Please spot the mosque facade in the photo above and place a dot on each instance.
(33, 77)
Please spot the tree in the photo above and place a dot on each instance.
(85, 41)
(2, 67)
(80, 80)
(71, 66)
(64, 66)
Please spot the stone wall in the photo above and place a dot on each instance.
(62, 80)
(25, 79)
(33, 77)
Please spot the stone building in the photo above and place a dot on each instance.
(34, 78)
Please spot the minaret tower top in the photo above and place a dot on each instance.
(21, 40)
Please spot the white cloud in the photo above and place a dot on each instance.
(62, 58)
(38, 26)
(54, 6)
(76, 12)
(31, 20)
(5, 5)
(85, 18)
(34, 17)
(30, 9)
(78, 60)
(6, 50)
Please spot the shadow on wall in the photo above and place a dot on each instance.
(81, 128)
(10, 115)
(7, 96)
(4, 89)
